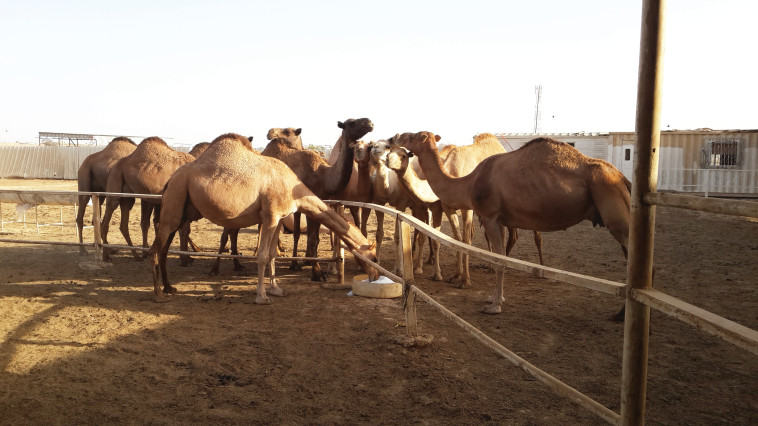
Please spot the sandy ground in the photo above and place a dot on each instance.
(82, 345)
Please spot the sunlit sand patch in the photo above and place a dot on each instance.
(71, 331)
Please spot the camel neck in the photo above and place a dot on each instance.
(314, 208)
(454, 192)
(340, 171)
(418, 188)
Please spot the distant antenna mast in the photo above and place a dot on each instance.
(537, 115)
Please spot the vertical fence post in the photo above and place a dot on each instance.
(642, 227)
(405, 251)
(96, 226)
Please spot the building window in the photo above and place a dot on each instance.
(722, 153)
(627, 154)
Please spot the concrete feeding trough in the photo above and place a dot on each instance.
(382, 288)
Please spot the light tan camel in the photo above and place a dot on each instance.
(398, 160)
(322, 179)
(387, 190)
(93, 175)
(290, 135)
(144, 171)
(233, 187)
(545, 185)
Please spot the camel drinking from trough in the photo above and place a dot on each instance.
(234, 187)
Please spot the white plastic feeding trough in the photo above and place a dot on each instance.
(382, 288)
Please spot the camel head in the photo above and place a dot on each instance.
(361, 152)
(291, 135)
(198, 149)
(416, 142)
(379, 150)
(398, 159)
(368, 250)
(355, 129)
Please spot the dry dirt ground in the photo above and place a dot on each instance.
(89, 346)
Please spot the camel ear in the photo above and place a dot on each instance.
(250, 138)
(410, 154)
(341, 125)
(298, 131)
(437, 137)
(393, 140)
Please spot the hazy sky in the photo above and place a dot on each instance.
(192, 70)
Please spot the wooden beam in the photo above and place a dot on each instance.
(555, 384)
(711, 205)
(721, 327)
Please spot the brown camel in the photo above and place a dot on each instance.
(545, 185)
(233, 187)
(93, 175)
(359, 188)
(144, 171)
(322, 179)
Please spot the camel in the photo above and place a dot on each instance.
(234, 187)
(322, 179)
(144, 171)
(289, 134)
(545, 185)
(359, 188)
(93, 175)
(387, 190)
(398, 160)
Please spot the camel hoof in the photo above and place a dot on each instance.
(263, 300)
(186, 261)
(294, 266)
(318, 277)
(161, 298)
(169, 289)
(213, 271)
(418, 271)
(436, 277)
(277, 291)
(492, 309)
(240, 267)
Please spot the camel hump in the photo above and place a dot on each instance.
(122, 139)
(234, 137)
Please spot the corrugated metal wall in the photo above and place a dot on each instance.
(43, 162)
(595, 146)
(680, 165)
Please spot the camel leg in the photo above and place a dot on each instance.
(365, 213)
(379, 231)
(495, 234)
(512, 238)
(538, 243)
(275, 290)
(81, 210)
(126, 208)
(110, 206)
(294, 266)
(184, 231)
(419, 240)
(434, 245)
(452, 218)
(233, 234)
(221, 245)
(462, 278)
(267, 238)
(312, 241)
